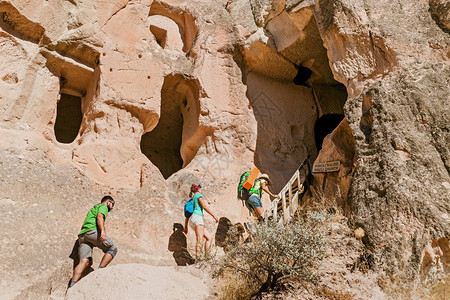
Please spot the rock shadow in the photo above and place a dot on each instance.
(229, 235)
(16, 24)
(221, 235)
(178, 245)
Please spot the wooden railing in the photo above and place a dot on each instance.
(283, 209)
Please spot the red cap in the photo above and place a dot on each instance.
(195, 188)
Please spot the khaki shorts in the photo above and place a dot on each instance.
(196, 220)
(91, 239)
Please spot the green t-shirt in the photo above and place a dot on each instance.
(90, 223)
(198, 209)
(257, 187)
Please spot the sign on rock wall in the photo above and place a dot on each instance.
(331, 166)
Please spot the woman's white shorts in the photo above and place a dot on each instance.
(196, 220)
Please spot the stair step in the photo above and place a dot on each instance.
(292, 185)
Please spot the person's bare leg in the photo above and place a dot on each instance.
(199, 232)
(79, 269)
(208, 238)
(259, 211)
(106, 259)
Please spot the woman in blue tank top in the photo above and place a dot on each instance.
(196, 220)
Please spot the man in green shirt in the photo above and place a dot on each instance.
(93, 233)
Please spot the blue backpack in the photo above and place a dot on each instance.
(189, 208)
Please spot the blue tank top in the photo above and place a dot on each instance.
(198, 209)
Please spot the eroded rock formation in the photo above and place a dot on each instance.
(141, 98)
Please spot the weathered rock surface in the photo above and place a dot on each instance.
(140, 99)
(134, 281)
(400, 124)
(440, 9)
(345, 274)
(411, 134)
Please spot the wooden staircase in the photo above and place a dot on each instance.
(283, 209)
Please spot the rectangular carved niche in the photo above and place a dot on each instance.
(68, 118)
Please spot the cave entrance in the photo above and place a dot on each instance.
(68, 118)
(302, 76)
(324, 126)
(163, 145)
(74, 64)
(292, 91)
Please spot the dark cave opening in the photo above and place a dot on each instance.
(324, 126)
(290, 85)
(162, 144)
(302, 76)
(68, 118)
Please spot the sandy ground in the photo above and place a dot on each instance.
(138, 281)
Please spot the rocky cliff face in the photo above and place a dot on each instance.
(400, 124)
(140, 99)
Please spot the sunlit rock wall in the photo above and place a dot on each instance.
(140, 99)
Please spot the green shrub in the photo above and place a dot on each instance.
(277, 250)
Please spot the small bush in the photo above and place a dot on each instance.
(234, 286)
(277, 250)
(328, 293)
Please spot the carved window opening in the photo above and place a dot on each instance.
(68, 118)
(324, 126)
(302, 76)
(172, 26)
(160, 35)
(169, 145)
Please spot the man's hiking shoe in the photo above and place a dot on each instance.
(248, 227)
